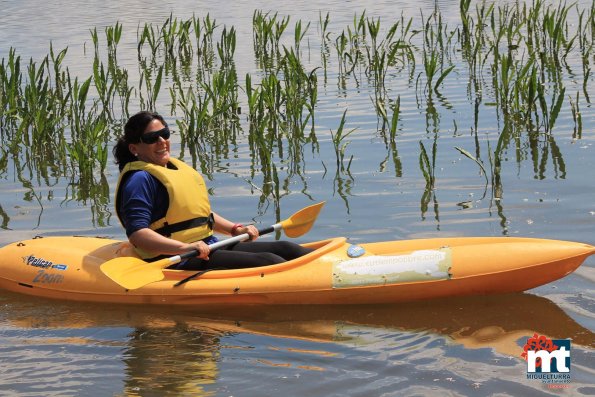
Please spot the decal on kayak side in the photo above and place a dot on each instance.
(422, 265)
(42, 263)
(43, 276)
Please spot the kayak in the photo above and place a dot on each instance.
(336, 272)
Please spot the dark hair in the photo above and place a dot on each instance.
(134, 128)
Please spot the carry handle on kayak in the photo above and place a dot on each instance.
(132, 273)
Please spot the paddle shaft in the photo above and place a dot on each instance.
(223, 243)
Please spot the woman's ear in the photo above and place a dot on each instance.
(133, 149)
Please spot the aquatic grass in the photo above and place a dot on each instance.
(226, 47)
(105, 85)
(299, 33)
(380, 55)
(204, 29)
(299, 93)
(10, 91)
(324, 40)
(518, 57)
(426, 166)
(433, 53)
(87, 148)
(390, 139)
(176, 38)
(210, 117)
(479, 163)
(586, 28)
(267, 32)
(428, 169)
(150, 37)
(151, 87)
(340, 145)
(576, 117)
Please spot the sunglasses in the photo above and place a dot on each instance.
(151, 137)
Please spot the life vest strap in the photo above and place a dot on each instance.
(167, 230)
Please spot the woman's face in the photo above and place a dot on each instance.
(155, 153)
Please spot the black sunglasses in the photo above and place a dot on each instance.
(151, 137)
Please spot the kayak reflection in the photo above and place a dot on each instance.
(479, 322)
(163, 341)
(169, 351)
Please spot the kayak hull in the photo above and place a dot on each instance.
(386, 272)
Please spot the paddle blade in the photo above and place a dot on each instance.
(301, 222)
(133, 273)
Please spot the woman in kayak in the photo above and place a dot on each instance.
(164, 206)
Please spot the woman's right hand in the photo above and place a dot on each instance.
(202, 248)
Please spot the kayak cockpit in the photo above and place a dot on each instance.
(321, 249)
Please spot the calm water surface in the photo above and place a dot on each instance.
(452, 347)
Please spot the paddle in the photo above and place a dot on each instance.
(133, 273)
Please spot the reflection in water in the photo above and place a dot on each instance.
(174, 360)
(183, 352)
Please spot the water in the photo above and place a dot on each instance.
(455, 347)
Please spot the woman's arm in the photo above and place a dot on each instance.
(149, 240)
(225, 226)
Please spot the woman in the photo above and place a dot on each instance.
(164, 206)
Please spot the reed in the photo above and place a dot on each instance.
(267, 32)
(576, 117)
(10, 92)
(340, 145)
(428, 169)
(433, 54)
(325, 40)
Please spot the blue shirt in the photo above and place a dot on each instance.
(143, 201)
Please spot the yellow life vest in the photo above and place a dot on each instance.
(188, 217)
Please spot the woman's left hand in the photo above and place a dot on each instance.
(251, 230)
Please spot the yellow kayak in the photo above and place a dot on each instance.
(336, 272)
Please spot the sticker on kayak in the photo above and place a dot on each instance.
(379, 270)
(355, 251)
(42, 263)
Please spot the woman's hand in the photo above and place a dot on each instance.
(202, 248)
(251, 230)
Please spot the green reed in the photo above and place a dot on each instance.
(324, 42)
(299, 93)
(226, 47)
(10, 89)
(210, 117)
(340, 145)
(428, 169)
(586, 29)
(111, 81)
(576, 117)
(479, 163)
(390, 125)
(433, 54)
(89, 133)
(267, 32)
(299, 33)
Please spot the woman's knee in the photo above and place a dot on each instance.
(269, 258)
(290, 250)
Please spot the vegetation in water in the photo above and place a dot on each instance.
(514, 58)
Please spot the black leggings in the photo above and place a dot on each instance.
(247, 254)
